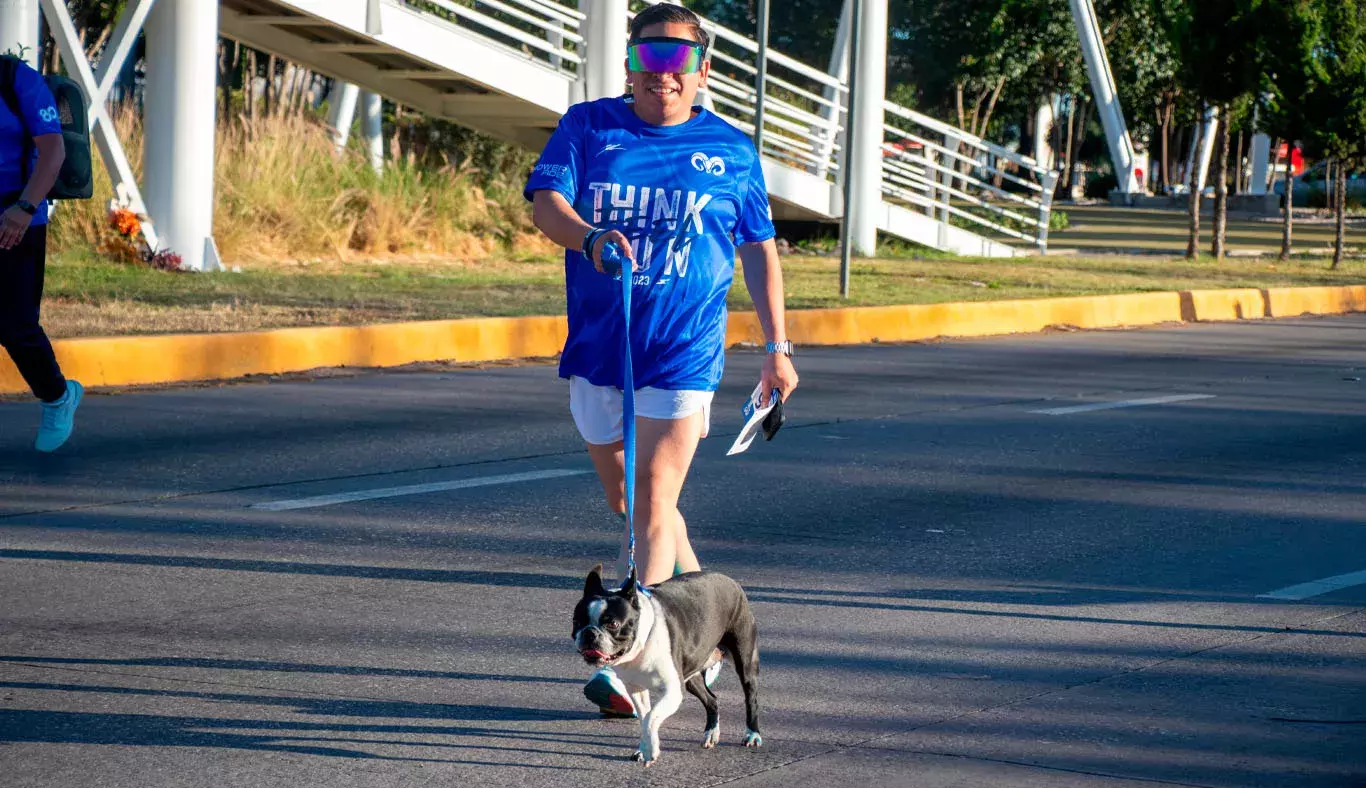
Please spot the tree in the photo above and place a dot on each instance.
(1337, 97)
(1218, 46)
(1291, 32)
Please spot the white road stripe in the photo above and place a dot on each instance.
(1128, 403)
(1317, 587)
(412, 489)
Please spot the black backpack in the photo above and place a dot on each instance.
(75, 181)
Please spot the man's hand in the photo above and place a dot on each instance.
(611, 236)
(13, 225)
(778, 374)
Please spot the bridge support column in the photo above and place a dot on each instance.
(19, 29)
(1261, 163)
(341, 112)
(867, 112)
(372, 128)
(1107, 100)
(182, 69)
(604, 33)
(1208, 130)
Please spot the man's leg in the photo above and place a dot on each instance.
(665, 451)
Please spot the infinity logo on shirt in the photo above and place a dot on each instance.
(713, 164)
(48, 114)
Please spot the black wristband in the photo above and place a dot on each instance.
(590, 239)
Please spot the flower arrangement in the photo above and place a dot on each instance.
(129, 245)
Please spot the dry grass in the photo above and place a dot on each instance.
(284, 193)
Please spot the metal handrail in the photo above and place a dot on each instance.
(558, 21)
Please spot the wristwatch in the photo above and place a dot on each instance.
(784, 347)
(27, 207)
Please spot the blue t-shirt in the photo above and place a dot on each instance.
(39, 109)
(685, 196)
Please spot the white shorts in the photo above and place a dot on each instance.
(597, 409)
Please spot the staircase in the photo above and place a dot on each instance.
(511, 68)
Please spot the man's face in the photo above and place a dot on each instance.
(664, 98)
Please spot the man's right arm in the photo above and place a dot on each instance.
(553, 215)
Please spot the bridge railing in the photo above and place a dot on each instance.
(949, 173)
(545, 30)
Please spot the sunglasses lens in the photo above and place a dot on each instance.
(665, 57)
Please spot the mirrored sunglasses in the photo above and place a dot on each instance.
(664, 56)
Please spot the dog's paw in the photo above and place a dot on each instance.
(647, 754)
(753, 739)
(713, 737)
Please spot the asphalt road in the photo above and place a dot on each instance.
(953, 588)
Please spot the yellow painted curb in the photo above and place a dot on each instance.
(122, 361)
(1291, 301)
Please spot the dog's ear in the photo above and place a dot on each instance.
(628, 589)
(593, 585)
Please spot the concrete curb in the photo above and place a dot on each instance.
(123, 361)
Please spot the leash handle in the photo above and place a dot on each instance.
(614, 261)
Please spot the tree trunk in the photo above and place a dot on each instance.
(1342, 213)
(1179, 146)
(1193, 202)
(227, 68)
(1082, 116)
(1221, 185)
(1067, 149)
(1289, 181)
(249, 83)
(1328, 184)
(270, 94)
(991, 106)
(1166, 181)
(1238, 161)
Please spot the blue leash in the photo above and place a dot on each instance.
(612, 258)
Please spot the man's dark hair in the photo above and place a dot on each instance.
(668, 12)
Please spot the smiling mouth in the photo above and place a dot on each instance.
(595, 657)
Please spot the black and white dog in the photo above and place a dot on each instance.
(660, 640)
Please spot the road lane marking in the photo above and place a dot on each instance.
(1317, 587)
(1128, 403)
(412, 489)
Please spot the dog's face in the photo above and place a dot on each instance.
(605, 621)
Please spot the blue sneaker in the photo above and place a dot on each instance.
(58, 418)
(610, 695)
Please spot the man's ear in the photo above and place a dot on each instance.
(593, 585)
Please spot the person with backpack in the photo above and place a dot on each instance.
(32, 151)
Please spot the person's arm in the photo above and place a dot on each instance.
(553, 215)
(15, 221)
(764, 280)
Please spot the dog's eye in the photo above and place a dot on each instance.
(612, 625)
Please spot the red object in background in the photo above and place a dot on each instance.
(1138, 173)
(903, 147)
(1296, 160)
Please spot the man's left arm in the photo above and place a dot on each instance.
(764, 280)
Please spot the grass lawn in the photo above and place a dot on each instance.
(92, 298)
